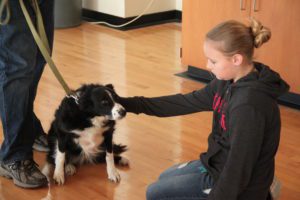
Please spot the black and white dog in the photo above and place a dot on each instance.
(82, 132)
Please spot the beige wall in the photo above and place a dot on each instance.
(129, 8)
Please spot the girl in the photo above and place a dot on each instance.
(239, 162)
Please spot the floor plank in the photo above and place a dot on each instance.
(138, 62)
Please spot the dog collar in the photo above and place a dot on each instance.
(75, 97)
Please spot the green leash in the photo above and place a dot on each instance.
(42, 42)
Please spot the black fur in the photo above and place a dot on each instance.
(93, 101)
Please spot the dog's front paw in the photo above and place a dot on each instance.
(113, 175)
(59, 177)
(70, 170)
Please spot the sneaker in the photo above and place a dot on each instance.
(41, 143)
(25, 174)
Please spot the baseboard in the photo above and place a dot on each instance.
(290, 99)
(145, 20)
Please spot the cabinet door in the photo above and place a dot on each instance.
(282, 51)
(199, 16)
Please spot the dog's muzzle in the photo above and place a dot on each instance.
(118, 112)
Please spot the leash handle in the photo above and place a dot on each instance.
(4, 5)
(42, 42)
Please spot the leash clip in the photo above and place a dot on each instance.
(74, 96)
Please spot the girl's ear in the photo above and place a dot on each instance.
(237, 59)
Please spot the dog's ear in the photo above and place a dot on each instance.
(110, 86)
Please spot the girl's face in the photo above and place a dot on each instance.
(223, 67)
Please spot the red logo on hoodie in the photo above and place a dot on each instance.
(218, 106)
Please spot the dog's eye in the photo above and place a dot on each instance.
(104, 102)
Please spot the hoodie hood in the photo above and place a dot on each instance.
(266, 80)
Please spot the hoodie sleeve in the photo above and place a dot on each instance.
(173, 105)
(246, 126)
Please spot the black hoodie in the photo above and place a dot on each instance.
(245, 131)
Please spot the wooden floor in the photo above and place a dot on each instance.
(138, 62)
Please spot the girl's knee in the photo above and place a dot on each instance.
(151, 191)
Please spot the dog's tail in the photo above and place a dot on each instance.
(119, 148)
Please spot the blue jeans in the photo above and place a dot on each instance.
(21, 67)
(188, 181)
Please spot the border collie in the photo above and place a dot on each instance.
(82, 132)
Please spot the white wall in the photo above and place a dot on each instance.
(111, 7)
(129, 8)
(135, 7)
(179, 5)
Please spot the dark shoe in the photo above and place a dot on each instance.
(41, 143)
(25, 174)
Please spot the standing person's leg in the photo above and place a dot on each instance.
(18, 52)
(17, 61)
(47, 11)
(188, 181)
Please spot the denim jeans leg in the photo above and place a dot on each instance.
(17, 61)
(47, 11)
(182, 168)
(185, 182)
(184, 187)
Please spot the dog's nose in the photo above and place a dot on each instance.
(122, 112)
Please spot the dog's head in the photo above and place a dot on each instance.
(100, 100)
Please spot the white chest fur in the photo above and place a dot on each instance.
(90, 138)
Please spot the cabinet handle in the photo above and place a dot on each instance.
(242, 5)
(254, 6)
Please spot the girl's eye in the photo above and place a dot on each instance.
(104, 103)
(213, 62)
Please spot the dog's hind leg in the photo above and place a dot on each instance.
(70, 169)
(119, 160)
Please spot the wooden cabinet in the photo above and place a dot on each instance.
(281, 16)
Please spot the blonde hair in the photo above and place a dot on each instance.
(236, 37)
